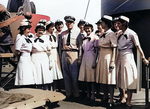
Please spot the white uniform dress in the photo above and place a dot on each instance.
(25, 70)
(53, 58)
(126, 67)
(106, 45)
(29, 36)
(41, 61)
(58, 36)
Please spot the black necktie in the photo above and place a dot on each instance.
(89, 38)
(30, 36)
(103, 35)
(68, 39)
(50, 38)
(121, 35)
(98, 35)
(40, 40)
(82, 35)
(28, 40)
(125, 36)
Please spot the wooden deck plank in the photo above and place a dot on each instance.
(6, 55)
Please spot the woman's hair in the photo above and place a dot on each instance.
(113, 29)
(124, 22)
(91, 26)
(107, 22)
(97, 31)
(51, 24)
(23, 28)
(58, 23)
(41, 27)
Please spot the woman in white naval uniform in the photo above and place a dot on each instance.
(25, 70)
(126, 67)
(87, 73)
(30, 35)
(59, 27)
(57, 74)
(105, 70)
(40, 52)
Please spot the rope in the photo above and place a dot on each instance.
(87, 9)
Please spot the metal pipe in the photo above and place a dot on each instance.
(147, 86)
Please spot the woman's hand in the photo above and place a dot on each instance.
(50, 67)
(94, 65)
(149, 59)
(111, 66)
(48, 52)
(146, 62)
(79, 61)
(17, 53)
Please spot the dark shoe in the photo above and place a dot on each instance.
(104, 102)
(110, 106)
(123, 104)
(55, 104)
(128, 107)
(119, 103)
(76, 99)
(83, 95)
(87, 100)
(90, 102)
(69, 99)
(50, 105)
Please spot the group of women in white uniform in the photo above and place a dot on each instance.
(37, 55)
(39, 64)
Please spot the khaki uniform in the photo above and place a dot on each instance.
(69, 63)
